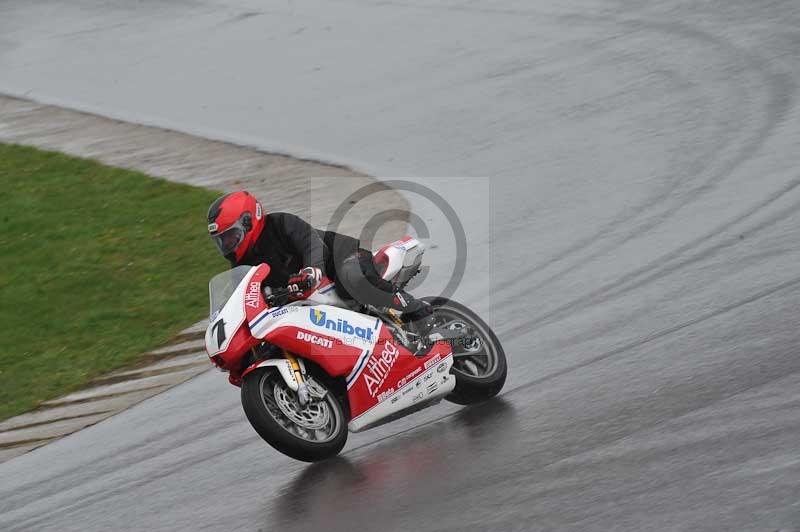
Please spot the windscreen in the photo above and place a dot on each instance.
(222, 286)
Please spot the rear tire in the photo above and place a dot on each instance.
(311, 433)
(479, 376)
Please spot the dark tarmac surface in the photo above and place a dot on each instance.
(645, 185)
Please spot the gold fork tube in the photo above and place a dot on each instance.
(298, 373)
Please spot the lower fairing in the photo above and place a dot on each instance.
(427, 389)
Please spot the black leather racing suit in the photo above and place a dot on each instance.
(288, 243)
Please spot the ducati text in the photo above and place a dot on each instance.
(313, 339)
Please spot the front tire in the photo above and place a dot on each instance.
(479, 362)
(311, 433)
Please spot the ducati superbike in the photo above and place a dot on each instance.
(312, 366)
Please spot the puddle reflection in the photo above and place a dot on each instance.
(365, 485)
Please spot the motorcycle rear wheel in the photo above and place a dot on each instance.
(479, 362)
(309, 433)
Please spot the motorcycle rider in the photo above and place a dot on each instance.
(298, 253)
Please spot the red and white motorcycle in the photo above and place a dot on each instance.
(313, 368)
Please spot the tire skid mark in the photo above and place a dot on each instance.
(791, 284)
(779, 103)
(659, 266)
(654, 486)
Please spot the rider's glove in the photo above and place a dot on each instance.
(306, 279)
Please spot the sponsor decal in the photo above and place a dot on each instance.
(402, 382)
(441, 367)
(431, 362)
(212, 227)
(428, 376)
(379, 366)
(395, 399)
(272, 314)
(252, 297)
(416, 398)
(432, 387)
(313, 339)
(319, 318)
(384, 395)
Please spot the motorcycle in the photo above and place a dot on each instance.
(312, 366)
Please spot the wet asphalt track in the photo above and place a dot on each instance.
(642, 265)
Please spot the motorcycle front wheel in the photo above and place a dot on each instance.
(479, 362)
(310, 433)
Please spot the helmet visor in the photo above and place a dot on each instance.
(228, 240)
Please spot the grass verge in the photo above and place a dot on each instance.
(97, 265)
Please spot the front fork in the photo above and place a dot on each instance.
(303, 393)
(293, 372)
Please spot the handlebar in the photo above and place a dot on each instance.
(280, 296)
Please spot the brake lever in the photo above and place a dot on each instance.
(278, 300)
(274, 297)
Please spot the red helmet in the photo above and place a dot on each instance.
(235, 222)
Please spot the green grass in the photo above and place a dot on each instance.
(97, 265)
